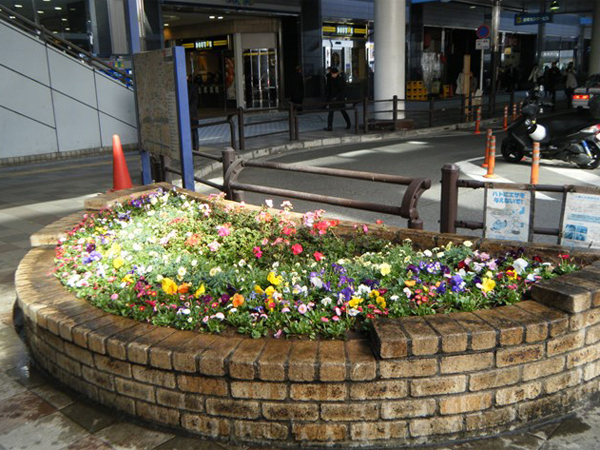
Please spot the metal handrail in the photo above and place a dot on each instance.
(67, 46)
(408, 208)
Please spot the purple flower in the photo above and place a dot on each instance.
(412, 268)
(347, 293)
(93, 256)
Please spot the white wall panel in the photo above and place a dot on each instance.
(71, 77)
(20, 136)
(110, 126)
(23, 54)
(115, 100)
(77, 124)
(25, 96)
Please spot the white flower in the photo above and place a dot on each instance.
(194, 262)
(181, 271)
(219, 316)
(440, 254)
(520, 265)
(326, 301)
(242, 262)
(151, 213)
(214, 271)
(468, 244)
(394, 298)
(363, 289)
(153, 201)
(185, 311)
(353, 312)
(159, 277)
(269, 203)
(137, 247)
(428, 253)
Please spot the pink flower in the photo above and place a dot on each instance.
(318, 256)
(278, 334)
(257, 252)
(297, 249)
(335, 318)
(114, 296)
(365, 228)
(223, 230)
(302, 309)
(214, 246)
(324, 319)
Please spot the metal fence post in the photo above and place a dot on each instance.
(431, 110)
(242, 138)
(356, 119)
(296, 128)
(462, 108)
(395, 112)
(449, 200)
(291, 121)
(366, 114)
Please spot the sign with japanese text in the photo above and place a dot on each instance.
(508, 212)
(580, 225)
(532, 19)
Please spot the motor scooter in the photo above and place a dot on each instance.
(572, 136)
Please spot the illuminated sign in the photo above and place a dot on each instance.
(532, 19)
(205, 45)
(344, 30)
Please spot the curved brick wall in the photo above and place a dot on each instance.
(434, 379)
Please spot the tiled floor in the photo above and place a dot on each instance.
(35, 413)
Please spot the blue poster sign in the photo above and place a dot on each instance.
(532, 19)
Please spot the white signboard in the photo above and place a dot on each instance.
(581, 219)
(508, 213)
(482, 44)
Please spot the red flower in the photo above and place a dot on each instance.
(379, 221)
(297, 249)
(565, 256)
(257, 252)
(318, 256)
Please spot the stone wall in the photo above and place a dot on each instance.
(416, 380)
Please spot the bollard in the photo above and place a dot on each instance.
(514, 116)
(487, 148)
(505, 123)
(478, 121)
(491, 159)
(535, 164)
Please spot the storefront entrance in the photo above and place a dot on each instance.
(261, 80)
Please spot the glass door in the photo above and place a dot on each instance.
(261, 80)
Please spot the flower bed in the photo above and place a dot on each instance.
(173, 261)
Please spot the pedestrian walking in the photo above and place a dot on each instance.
(335, 91)
(554, 78)
(570, 84)
(535, 76)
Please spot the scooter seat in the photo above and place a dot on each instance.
(563, 124)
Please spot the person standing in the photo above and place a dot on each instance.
(554, 78)
(335, 91)
(297, 96)
(570, 84)
(536, 75)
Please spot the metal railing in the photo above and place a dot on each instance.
(23, 23)
(451, 184)
(233, 166)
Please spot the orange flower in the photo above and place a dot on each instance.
(237, 300)
(184, 288)
(410, 283)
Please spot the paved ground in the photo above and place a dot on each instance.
(35, 413)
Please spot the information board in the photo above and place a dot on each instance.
(508, 212)
(157, 102)
(580, 224)
(482, 44)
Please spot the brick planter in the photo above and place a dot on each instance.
(431, 379)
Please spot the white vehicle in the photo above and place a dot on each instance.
(582, 94)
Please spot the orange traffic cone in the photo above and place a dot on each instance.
(121, 178)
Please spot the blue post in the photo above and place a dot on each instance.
(183, 117)
(134, 47)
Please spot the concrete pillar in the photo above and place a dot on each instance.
(539, 44)
(238, 54)
(595, 44)
(390, 41)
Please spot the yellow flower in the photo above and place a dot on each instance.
(200, 291)
(374, 293)
(511, 274)
(273, 279)
(410, 283)
(128, 278)
(487, 285)
(385, 269)
(381, 302)
(258, 289)
(269, 291)
(169, 286)
(355, 302)
(118, 262)
(115, 249)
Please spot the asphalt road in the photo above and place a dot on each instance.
(415, 158)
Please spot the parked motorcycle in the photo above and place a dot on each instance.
(571, 136)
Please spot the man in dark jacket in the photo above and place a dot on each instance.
(335, 91)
